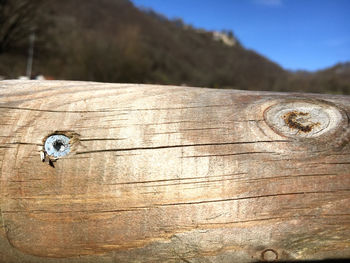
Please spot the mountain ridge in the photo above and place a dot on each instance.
(113, 41)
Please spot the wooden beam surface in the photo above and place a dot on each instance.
(172, 174)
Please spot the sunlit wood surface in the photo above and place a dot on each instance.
(172, 174)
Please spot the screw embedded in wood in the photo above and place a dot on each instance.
(57, 145)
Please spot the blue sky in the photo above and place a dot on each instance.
(297, 34)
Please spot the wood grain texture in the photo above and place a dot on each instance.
(172, 174)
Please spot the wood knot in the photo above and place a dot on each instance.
(300, 121)
(304, 118)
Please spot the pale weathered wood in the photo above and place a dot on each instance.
(172, 174)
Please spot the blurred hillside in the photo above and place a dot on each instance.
(113, 41)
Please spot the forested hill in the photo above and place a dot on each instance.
(113, 41)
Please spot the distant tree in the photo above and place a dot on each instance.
(18, 19)
(178, 22)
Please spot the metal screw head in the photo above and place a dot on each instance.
(57, 145)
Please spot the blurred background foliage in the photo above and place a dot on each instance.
(113, 41)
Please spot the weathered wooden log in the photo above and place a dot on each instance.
(94, 172)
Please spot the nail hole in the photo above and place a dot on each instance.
(269, 255)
